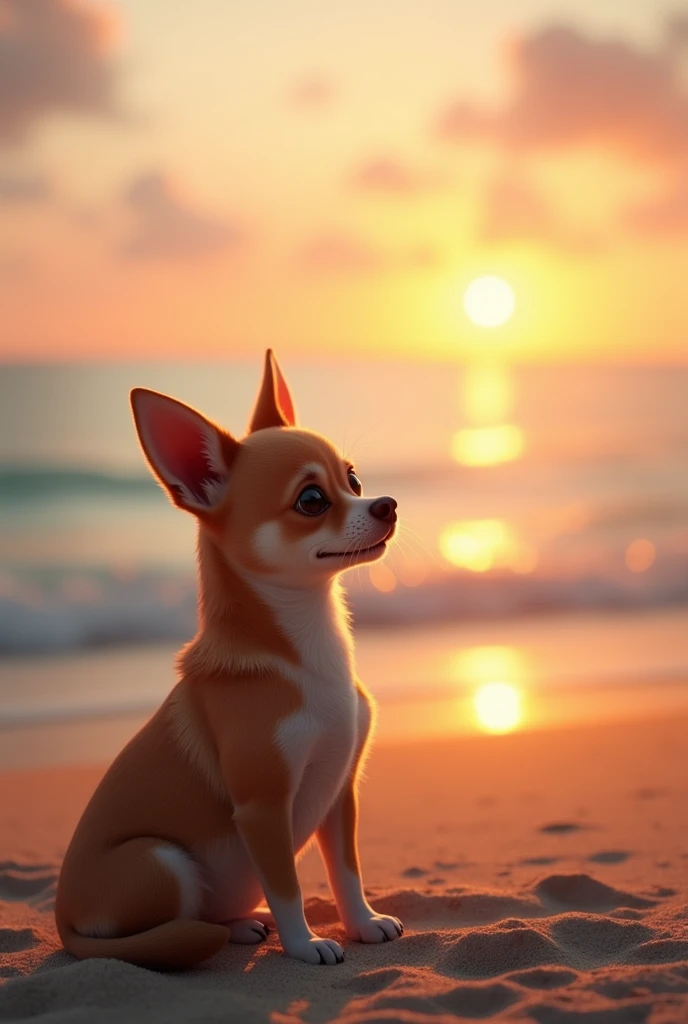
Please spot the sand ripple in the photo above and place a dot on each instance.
(567, 949)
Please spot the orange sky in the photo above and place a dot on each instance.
(205, 179)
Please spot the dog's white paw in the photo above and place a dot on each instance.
(247, 931)
(375, 928)
(315, 951)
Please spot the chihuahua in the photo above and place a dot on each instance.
(259, 746)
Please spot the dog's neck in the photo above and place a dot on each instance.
(247, 624)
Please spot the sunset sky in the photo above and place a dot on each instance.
(191, 180)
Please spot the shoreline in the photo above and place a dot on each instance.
(79, 738)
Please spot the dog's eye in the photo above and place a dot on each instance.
(311, 502)
(354, 483)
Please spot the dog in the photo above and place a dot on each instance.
(259, 746)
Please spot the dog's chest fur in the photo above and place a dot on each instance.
(319, 741)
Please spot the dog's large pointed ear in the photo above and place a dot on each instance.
(190, 456)
(274, 406)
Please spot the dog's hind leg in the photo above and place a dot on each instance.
(126, 903)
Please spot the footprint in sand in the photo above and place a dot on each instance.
(543, 977)
(22, 882)
(610, 856)
(581, 892)
(538, 861)
(15, 940)
(561, 828)
(659, 951)
(626, 914)
(387, 993)
(497, 949)
(600, 940)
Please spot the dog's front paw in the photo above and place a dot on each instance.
(315, 951)
(375, 928)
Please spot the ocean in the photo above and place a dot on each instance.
(527, 496)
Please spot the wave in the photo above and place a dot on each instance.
(19, 483)
(68, 611)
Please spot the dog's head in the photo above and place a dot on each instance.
(282, 502)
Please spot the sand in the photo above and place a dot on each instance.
(541, 877)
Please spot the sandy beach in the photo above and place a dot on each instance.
(542, 876)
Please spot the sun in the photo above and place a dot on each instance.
(489, 301)
(498, 707)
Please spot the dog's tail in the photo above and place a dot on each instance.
(174, 945)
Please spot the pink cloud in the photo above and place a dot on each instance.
(313, 92)
(572, 90)
(55, 57)
(387, 175)
(341, 254)
(24, 190)
(676, 32)
(515, 210)
(663, 216)
(166, 225)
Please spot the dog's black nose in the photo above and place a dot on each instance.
(385, 509)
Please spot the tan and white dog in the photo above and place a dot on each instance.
(259, 746)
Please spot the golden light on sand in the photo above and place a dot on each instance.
(489, 301)
(640, 555)
(382, 578)
(488, 446)
(497, 707)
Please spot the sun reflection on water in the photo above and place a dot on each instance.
(479, 545)
(487, 398)
(488, 446)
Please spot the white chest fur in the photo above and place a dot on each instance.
(318, 741)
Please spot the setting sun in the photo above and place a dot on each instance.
(489, 301)
(497, 707)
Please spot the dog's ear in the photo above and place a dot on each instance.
(274, 406)
(190, 456)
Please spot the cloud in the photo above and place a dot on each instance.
(664, 216)
(341, 253)
(313, 92)
(24, 189)
(515, 210)
(54, 58)
(16, 266)
(338, 253)
(676, 32)
(167, 227)
(571, 90)
(387, 175)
